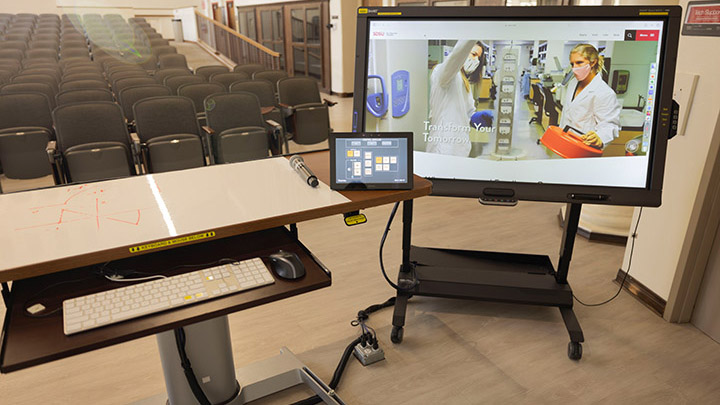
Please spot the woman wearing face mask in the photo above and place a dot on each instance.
(451, 102)
(590, 105)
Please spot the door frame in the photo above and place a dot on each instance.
(699, 238)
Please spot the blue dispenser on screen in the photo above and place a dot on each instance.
(377, 103)
(400, 93)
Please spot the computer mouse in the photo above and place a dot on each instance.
(287, 265)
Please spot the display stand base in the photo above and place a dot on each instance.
(489, 276)
(209, 344)
(279, 373)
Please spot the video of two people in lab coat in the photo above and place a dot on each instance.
(516, 100)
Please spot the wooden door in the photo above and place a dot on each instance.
(217, 13)
(308, 42)
(246, 22)
(271, 30)
(232, 20)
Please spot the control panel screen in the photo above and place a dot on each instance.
(371, 161)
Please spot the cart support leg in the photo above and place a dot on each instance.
(400, 310)
(572, 218)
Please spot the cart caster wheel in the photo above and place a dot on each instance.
(574, 350)
(396, 336)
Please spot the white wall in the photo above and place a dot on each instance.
(163, 9)
(342, 44)
(34, 6)
(189, 23)
(662, 230)
(121, 6)
(705, 314)
(244, 3)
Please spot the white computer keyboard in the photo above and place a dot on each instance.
(112, 306)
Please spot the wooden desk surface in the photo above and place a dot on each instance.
(45, 234)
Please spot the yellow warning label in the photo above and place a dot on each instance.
(170, 242)
(389, 13)
(362, 11)
(654, 13)
(355, 220)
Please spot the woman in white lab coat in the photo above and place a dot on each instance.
(590, 105)
(451, 102)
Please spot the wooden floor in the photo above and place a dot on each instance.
(454, 352)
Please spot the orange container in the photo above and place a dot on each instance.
(567, 145)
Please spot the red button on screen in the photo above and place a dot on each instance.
(647, 35)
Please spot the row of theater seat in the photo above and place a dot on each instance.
(86, 94)
(89, 133)
(91, 140)
(167, 136)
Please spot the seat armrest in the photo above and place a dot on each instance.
(55, 158)
(287, 110)
(279, 134)
(51, 150)
(274, 124)
(311, 105)
(265, 110)
(136, 149)
(136, 143)
(207, 141)
(329, 103)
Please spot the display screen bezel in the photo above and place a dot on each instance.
(650, 195)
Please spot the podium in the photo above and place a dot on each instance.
(161, 223)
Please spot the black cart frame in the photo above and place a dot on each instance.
(489, 276)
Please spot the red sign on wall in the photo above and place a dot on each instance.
(703, 14)
(702, 18)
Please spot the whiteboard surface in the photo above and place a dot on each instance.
(43, 225)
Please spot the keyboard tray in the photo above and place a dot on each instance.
(28, 341)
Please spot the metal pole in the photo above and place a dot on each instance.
(572, 218)
(407, 233)
(209, 349)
